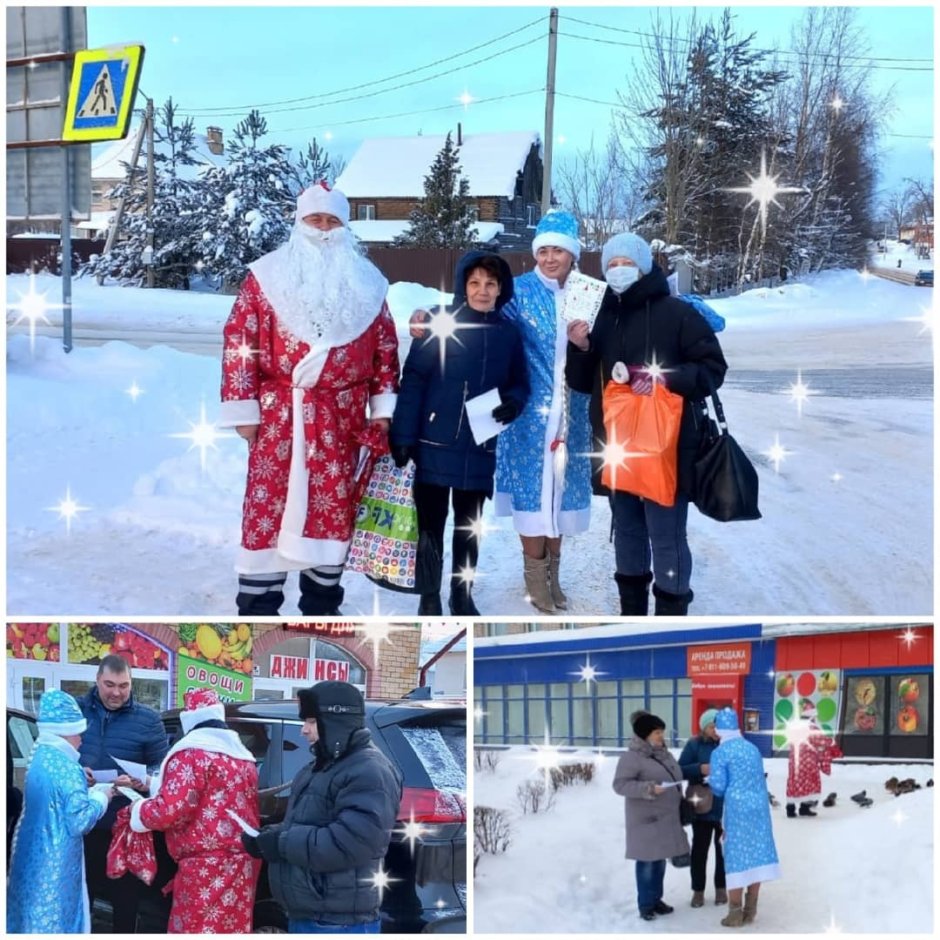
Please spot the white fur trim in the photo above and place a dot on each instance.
(741, 879)
(63, 727)
(301, 553)
(96, 796)
(192, 717)
(382, 406)
(329, 201)
(557, 240)
(238, 412)
(569, 522)
(136, 824)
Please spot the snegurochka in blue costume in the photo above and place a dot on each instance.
(46, 892)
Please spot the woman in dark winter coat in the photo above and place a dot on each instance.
(694, 761)
(431, 427)
(654, 832)
(639, 324)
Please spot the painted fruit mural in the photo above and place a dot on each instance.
(89, 643)
(37, 641)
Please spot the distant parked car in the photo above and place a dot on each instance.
(924, 278)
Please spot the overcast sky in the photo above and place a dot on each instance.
(217, 62)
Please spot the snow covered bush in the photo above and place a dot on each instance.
(535, 797)
(491, 832)
(568, 774)
(485, 760)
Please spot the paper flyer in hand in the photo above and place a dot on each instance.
(132, 768)
(132, 795)
(104, 776)
(480, 414)
(671, 783)
(241, 822)
(583, 296)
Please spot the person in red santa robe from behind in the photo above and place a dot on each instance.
(812, 752)
(205, 774)
(309, 347)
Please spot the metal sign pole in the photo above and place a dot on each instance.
(66, 268)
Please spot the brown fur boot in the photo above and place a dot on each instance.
(536, 584)
(750, 907)
(558, 595)
(735, 917)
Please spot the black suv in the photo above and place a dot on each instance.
(427, 742)
(923, 279)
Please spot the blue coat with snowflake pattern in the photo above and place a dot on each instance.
(526, 487)
(737, 774)
(46, 892)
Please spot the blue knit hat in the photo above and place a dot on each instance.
(726, 720)
(628, 245)
(557, 229)
(59, 714)
(708, 716)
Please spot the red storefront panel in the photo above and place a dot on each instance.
(863, 650)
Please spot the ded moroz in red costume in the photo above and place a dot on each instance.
(207, 772)
(309, 348)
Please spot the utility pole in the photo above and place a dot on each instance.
(148, 251)
(119, 212)
(549, 112)
(66, 231)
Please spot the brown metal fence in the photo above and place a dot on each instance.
(433, 267)
(42, 254)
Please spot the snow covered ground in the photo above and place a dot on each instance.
(847, 527)
(894, 252)
(849, 870)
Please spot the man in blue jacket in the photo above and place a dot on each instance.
(118, 727)
(694, 761)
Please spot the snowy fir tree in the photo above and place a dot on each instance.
(444, 218)
(175, 210)
(312, 166)
(247, 204)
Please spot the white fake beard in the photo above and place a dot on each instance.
(329, 288)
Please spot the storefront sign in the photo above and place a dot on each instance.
(729, 687)
(323, 629)
(289, 667)
(334, 670)
(727, 659)
(807, 693)
(197, 674)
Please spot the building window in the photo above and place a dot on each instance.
(531, 215)
(365, 212)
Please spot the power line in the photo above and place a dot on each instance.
(240, 109)
(620, 104)
(848, 65)
(793, 52)
(382, 117)
(383, 91)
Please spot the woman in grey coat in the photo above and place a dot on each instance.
(654, 832)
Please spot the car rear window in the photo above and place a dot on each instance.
(442, 750)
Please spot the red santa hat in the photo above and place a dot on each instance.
(200, 705)
(320, 198)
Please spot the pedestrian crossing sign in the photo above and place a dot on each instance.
(101, 93)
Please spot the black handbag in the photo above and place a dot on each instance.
(725, 482)
(687, 812)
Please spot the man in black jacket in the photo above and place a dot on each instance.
(325, 861)
(118, 727)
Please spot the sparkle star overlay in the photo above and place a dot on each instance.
(587, 673)
(134, 391)
(777, 453)
(763, 190)
(381, 880)
(443, 327)
(203, 435)
(412, 832)
(377, 634)
(68, 509)
(800, 392)
(32, 306)
(909, 637)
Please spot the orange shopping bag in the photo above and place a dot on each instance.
(642, 440)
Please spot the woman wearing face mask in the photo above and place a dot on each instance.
(430, 424)
(640, 323)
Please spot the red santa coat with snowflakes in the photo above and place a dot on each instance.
(810, 756)
(204, 775)
(308, 391)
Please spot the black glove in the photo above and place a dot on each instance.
(263, 845)
(507, 412)
(401, 454)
